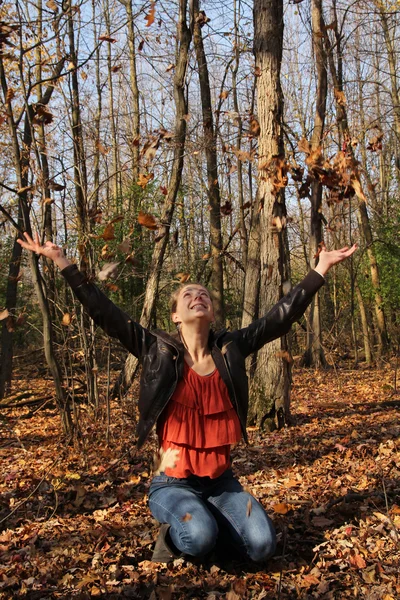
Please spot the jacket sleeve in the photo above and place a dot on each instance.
(281, 317)
(106, 314)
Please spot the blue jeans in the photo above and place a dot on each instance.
(200, 510)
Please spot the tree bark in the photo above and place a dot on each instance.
(270, 385)
(214, 197)
(314, 355)
(362, 213)
(184, 35)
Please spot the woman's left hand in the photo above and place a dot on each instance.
(334, 257)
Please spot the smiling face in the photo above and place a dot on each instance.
(193, 303)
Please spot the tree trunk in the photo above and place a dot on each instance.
(314, 355)
(210, 141)
(362, 213)
(269, 389)
(184, 35)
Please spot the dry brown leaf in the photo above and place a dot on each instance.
(170, 67)
(149, 18)
(107, 38)
(10, 94)
(144, 179)
(182, 277)
(224, 94)
(186, 517)
(357, 561)
(4, 314)
(125, 246)
(52, 5)
(147, 220)
(340, 97)
(281, 508)
(108, 270)
(165, 460)
(108, 233)
(66, 320)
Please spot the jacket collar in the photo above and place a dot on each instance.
(174, 340)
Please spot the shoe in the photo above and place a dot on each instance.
(163, 553)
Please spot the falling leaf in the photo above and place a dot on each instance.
(48, 200)
(107, 38)
(147, 220)
(164, 190)
(140, 47)
(70, 66)
(125, 246)
(56, 187)
(340, 97)
(165, 460)
(285, 355)
(255, 127)
(206, 256)
(10, 94)
(101, 148)
(170, 67)
(52, 5)
(108, 270)
(202, 18)
(144, 179)
(149, 18)
(186, 517)
(116, 68)
(4, 314)
(223, 95)
(112, 287)
(257, 72)
(248, 508)
(66, 320)
(182, 277)
(108, 233)
(10, 324)
(226, 208)
(322, 522)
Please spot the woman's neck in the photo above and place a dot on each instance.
(195, 340)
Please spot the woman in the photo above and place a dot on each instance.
(194, 388)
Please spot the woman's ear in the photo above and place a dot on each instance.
(175, 318)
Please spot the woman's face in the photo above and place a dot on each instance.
(193, 303)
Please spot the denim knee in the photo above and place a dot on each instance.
(262, 544)
(195, 539)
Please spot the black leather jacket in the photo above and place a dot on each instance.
(161, 354)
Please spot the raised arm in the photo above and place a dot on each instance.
(104, 313)
(49, 250)
(291, 307)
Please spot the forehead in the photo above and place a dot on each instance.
(193, 288)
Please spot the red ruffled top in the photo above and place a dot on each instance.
(200, 423)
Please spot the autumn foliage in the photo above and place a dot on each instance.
(75, 521)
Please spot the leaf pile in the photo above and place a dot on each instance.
(75, 522)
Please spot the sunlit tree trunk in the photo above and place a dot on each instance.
(181, 110)
(270, 384)
(362, 213)
(314, 355)
(22, 166)
(210, 140)
(80, 181)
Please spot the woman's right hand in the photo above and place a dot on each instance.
(49, 250)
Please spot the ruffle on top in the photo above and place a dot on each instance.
(201, 423)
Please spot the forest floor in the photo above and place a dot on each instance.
(75, 522)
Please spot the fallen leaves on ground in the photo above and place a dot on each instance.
(75, 522)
